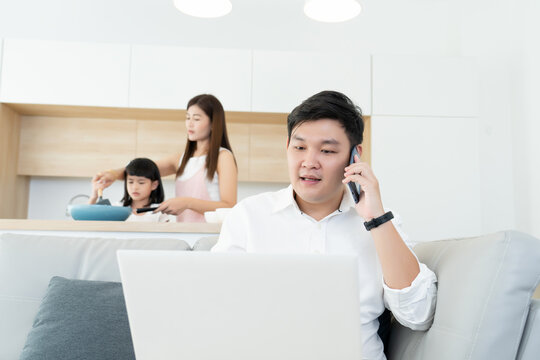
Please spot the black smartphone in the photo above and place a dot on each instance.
(354, 187)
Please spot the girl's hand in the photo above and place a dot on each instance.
(96, 186)
(174, 206)
(370, 204)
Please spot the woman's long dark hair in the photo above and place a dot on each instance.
(218, 134)
(146, 168)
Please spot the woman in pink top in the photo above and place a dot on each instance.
(206, 173)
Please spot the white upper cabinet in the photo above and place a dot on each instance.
(68, 73)
(167, 77)
(428, 172)
(282, 80)
(425, 86)
(1, 48)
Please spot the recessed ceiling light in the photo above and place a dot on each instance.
(332, 10)
(204, 8)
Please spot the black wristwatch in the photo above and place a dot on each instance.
(373, 223)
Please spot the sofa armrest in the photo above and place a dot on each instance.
(529, 347)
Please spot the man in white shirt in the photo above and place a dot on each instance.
(316, 214)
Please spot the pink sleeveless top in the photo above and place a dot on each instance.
(193, 183)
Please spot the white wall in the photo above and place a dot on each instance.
(49, 197)
(503, 37)
(525, 109)
(427, 177)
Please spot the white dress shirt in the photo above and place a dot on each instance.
(272, 223)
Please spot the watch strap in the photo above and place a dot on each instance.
(375, 222)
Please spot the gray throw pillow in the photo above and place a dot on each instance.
(80, 319)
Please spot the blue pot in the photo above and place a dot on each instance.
(99, 212)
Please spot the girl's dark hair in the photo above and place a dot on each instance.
(329, 105)
(146, 168)
(218, 134)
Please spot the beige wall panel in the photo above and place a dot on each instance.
(52, 146)
(79, 141)
(159, 139)
(239, 139)
(14, 189)
(268, 158)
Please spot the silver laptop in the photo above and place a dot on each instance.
(237, 306)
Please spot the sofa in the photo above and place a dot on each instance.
(28, 262)
(484, 310)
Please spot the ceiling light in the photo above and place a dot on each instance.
(204, 8)
(332, 10)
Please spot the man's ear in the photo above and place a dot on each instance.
(359, 149)
(155, 184)
(288, 139)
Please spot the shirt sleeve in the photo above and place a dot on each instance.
(413, 306)
(232, 236)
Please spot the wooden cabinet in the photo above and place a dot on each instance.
(283, 79)
(157, 139)
(14, 189)
(78, 147)
(425, 86)
(167, 77)
(69, 73)
(239, 135)
(268, 153)
(80, 141)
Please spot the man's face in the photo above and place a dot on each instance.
(317, 155)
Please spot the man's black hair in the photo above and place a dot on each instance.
(329, 105)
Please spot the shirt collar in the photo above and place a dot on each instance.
(285, 198)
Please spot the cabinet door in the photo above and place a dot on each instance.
(282, 80)
(425, 86)
(268, 153)
(48, 72)
(239, 139)
(51, 146)
(428, 173)
(1, 50)
(160, 139)
(168, 77)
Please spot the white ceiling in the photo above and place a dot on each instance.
(384, 26)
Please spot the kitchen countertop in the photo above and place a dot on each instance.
(108, 226)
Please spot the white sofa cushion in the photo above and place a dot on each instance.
(28, 262)
(485, 285)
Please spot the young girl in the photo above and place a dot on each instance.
(142, 188)
(206, 173)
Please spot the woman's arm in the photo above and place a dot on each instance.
(168, 165)
(228, 184)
